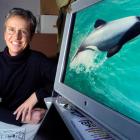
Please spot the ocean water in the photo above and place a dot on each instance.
(114, 81)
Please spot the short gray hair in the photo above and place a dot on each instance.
(26, 14)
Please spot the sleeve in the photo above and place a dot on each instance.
(47, 71)
(8, 117)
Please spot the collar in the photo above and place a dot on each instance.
(16, 59)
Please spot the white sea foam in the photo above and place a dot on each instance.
(87, 60)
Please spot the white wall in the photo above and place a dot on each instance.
(6, 5)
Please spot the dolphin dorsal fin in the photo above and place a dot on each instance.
(99, 22)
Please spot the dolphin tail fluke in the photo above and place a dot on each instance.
(113, 51)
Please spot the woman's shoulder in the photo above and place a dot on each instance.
(1, 53)
(41, 57)
(38, 54)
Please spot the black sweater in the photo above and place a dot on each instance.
(20, 76)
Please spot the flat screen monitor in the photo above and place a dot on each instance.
(99, 64)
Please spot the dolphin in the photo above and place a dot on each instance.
(111, 36)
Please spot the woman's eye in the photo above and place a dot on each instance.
(24, 32)
(10, 30)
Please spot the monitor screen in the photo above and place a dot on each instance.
(99, 69)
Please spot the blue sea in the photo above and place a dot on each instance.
(114, 81)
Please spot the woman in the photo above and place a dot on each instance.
(24, 73)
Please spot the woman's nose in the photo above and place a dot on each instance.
(18, 35)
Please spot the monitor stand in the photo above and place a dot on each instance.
(53, 127)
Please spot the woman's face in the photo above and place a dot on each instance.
(17, 34)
